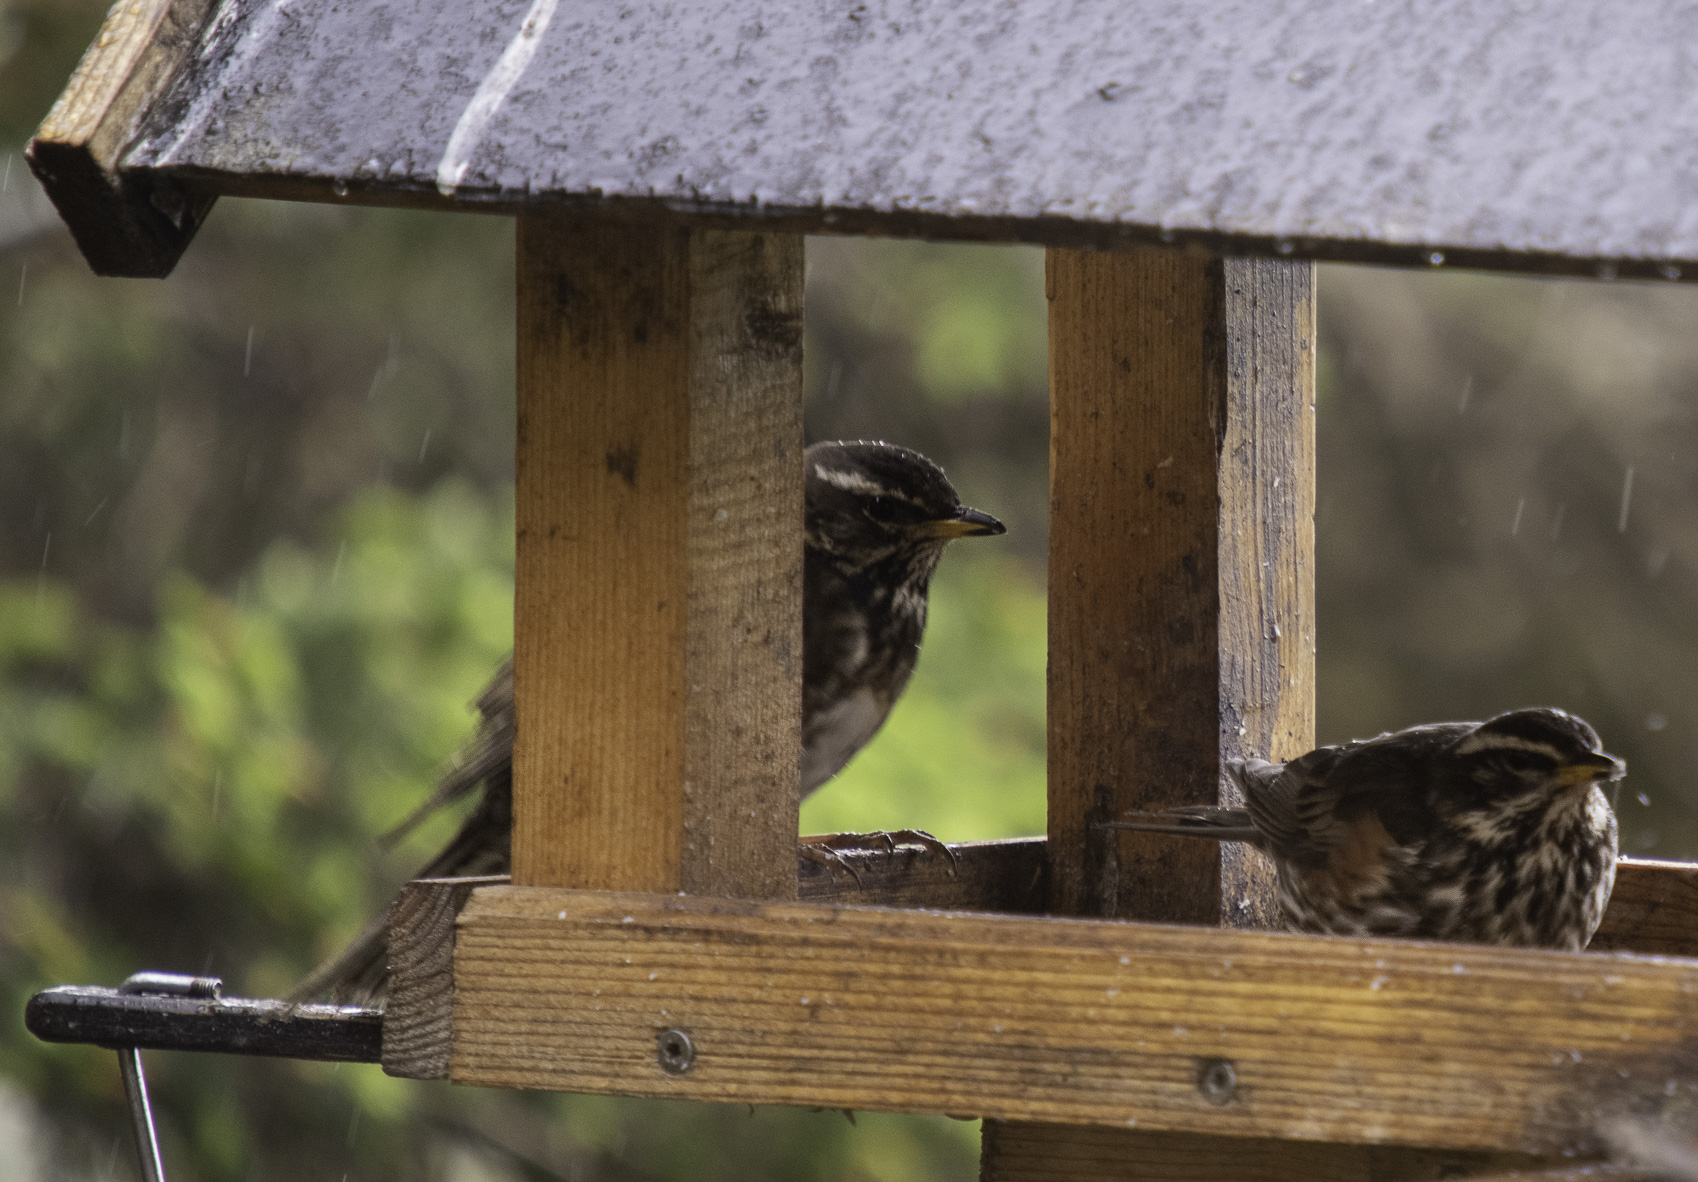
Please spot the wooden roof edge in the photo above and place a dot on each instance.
(126, 223)
(1054, 230)
(136, 220)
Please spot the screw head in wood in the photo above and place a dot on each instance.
(675, 1051)
(1217, 1081)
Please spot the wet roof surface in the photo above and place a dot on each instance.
(1333, 126)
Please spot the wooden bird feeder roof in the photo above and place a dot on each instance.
(1558, 137)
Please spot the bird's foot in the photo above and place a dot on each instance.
(888, 841)
(822, 854)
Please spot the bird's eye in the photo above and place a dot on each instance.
(881, 508)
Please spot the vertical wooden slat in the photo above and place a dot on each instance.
(657, 649)
(1181, 564)
(743, 711)
(1181, 587)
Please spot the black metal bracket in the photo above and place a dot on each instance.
(176, 1012)
(182, 1020)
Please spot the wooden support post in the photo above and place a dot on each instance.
(658, 648)
(1181, 597)
(1181, 579)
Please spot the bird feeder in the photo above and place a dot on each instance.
(1110, 1000)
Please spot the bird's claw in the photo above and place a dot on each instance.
(888, 840)
(822, 854)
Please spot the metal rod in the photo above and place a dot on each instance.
(141, 1114)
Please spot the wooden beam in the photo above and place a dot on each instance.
(981, 876)
(1076, 1022)
(1181, 587)
(1654, 910)
(126, 224)
(657, 657)
(418, 1012)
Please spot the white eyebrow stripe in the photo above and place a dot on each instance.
(848, 481)
(1479, 742)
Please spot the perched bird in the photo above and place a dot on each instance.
(876, 520)
(1490, 832)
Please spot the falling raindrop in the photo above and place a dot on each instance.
(1515, 526)
(425, 445)
(96, 512)
(1626, 501)
(1656, 722)
(6, 180)
(1643, 799)
(339, 187)
(1436, 258)
(23, 274)
(1467, 389)
(1671, 272)
(336, 567)
(41, 575)
(1283, 245)
(248, 355)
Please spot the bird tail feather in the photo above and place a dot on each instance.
(1217, 824)
(359, 974)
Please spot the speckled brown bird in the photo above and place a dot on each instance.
(1492, 832)
(877, 519)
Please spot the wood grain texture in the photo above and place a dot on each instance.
(742, 744)
(418, 1016)
(1653, 909)
(1181, 564)
(1030, 1152)
(1068, 1021)
(1008, 876)
(657, 646)
(125, 225)
(1181, 604)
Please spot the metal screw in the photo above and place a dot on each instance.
(675, 1051)
(1217, 1081)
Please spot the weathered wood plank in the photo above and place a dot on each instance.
(1078, 1022)
(1238, 126)
(743, 626)
(1654, 910)
(983, 876)
(1182, 592)
(657, 656)
(125, 225)
(1030, 1152)
(418, 1014)
(1181, 564)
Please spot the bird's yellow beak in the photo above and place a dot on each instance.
(1592, 767)
(967, 523)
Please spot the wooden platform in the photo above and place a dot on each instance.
(1081, 1022)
